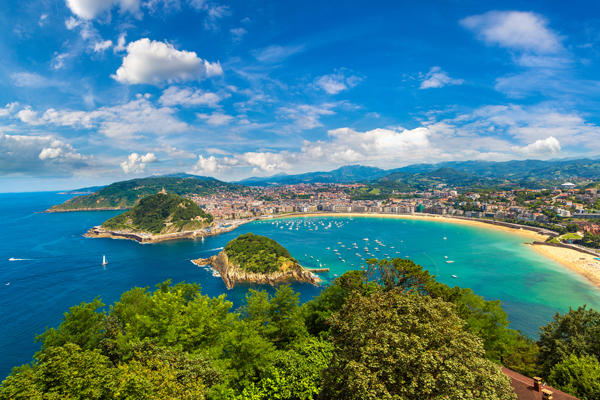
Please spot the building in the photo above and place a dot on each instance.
(568, 185)
(533, 389)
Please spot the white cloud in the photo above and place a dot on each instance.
(307, 116)
(335, 83)
(539, 148)
(176, 153)
(197, 4)
(238, 33)
(154, 63)
(188, 97)
(515, 30)
(136, 163)
(210, 165)
(30, 117)
(216, 118)
(121, 122)
(101, 47)
(43, 19)
(90, 9)
(28, 79)
(120, 44)
(8, 109)
(436, 78)
(214, 13)
(58, 60)
(275, 53)
(38, 155)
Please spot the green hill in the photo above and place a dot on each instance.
(259, 254)
(160, 214)
(126, 194)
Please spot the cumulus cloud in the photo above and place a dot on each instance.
(436, 78)
(188, 97)
(260, 161)
(336, 83)
(216, 118)
(90, 9)
(515, 30)
(275, 53)
(121, 122)
(101, 47)
(539, 148)
(136, 163)
(30, 117)
(154, 63)
(38, 156)
(211, 165)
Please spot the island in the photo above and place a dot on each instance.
(157, 218)
(257, 259)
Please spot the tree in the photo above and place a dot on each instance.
(572, 228)
(576, 332)
(392, 345)
(578, 376)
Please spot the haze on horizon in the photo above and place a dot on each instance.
(95, 91)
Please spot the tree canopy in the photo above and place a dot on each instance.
(255, 253)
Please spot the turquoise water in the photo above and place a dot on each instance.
(59, 268)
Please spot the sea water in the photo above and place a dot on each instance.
(55, 267)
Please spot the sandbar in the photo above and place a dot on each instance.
(582, 263)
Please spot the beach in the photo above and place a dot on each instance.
(584, 264)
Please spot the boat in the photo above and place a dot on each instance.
(445, 256)
(8, 284)
(444, 237)
(12, 259)
(104, 260)
(327, 248)
(454, 276)
(366, 239)
(311, 257)
(449, 261)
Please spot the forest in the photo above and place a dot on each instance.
(258, 254)
(390, 331)
(152, 212)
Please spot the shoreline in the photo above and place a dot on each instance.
(582, 263)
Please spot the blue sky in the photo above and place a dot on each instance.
(94, 91)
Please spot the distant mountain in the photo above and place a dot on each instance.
(348, 173)
(87, 190)
(448, 176)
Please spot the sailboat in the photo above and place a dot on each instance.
(104, 260)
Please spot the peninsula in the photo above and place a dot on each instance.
(158, 217)
(259, 259)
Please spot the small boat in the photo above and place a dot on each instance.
(8, 284)
(449, 262)
(454, 276)
(444, 237)
(366, 239)
(311, 257)
(104, 260)
(12, 259)
(327, 248)
(445, 256)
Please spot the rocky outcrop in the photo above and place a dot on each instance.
(231, 274)
(145, 237)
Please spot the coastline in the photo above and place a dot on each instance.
(581, 263)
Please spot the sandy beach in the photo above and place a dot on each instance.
(584, 264)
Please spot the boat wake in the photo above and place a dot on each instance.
(206, 251)
(19, 259)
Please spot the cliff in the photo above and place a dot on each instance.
(231, 274)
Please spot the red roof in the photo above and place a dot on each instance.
(523, 387)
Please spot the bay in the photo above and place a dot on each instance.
(57, 267)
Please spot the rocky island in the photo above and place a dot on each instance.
(259, 259)
(159, 217)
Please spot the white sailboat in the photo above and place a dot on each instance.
(104, 260)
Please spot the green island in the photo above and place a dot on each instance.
(124, 195)
(161, 214)
(378, 333)
(257, 259)
(255, 253)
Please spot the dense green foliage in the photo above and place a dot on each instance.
(390, 331)
(579, 376)
(259, 254)
(155, 211)
(126, 194)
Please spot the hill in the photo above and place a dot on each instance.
(126, 194)
(161, 214)
(348, 173)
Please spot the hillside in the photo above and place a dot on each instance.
(255, 253)
(348, 173)
(126, 194)
(161, 214)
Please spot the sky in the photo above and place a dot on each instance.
(97, 91)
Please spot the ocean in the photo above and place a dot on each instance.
(54, 267)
